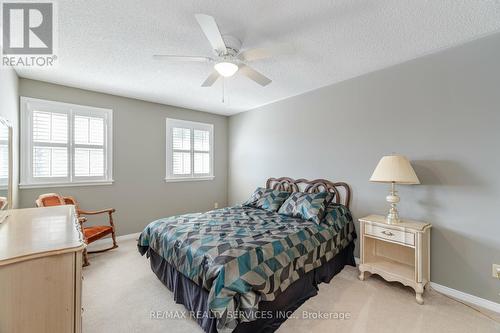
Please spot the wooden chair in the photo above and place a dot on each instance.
(91, 233)
(3, 202)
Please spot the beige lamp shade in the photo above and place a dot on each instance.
(394, 168)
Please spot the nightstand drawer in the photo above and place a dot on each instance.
(399, 236)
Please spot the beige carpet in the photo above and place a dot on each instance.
(120, 292)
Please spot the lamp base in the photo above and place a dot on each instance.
(393, 217)
(393, 199)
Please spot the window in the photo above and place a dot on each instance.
(4, 156)
(189, 150)
(64, 144)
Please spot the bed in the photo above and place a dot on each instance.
(245, 269)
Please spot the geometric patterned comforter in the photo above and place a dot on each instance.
(244, 255)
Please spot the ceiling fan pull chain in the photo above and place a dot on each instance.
(223, 89)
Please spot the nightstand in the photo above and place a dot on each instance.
(397, 252)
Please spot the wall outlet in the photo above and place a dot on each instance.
(495, 272)
(216, 205)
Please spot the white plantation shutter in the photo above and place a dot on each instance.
(89, 162)
(4, 163)
(64, 143)
(181, 145)
(181, 163)
(181, 138)
(4, 155)
(50, 162)
(89, 130)
(89, 133)
(50, 144)
(189, 150)
(202, 163)
(50, 127)
(201, 141)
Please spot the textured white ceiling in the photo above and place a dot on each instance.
(106, 45)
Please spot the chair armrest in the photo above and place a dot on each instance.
(95, 212)
(110, 212)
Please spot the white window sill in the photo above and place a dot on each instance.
(188, 179)
(47, 185)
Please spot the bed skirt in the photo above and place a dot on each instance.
(194, 297)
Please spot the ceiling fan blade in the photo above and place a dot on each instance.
(212, 32)
(214, 76)
(252, 74)
(255, 54)
(170, 57)
(266, 52)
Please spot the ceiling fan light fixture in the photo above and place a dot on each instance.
(226, 69)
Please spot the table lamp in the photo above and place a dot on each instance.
(394, 169)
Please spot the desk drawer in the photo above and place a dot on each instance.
(399, 236)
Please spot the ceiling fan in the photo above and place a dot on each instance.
(228, 60)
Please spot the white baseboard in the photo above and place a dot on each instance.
(107, 242)
(461, 296)
(467, 298)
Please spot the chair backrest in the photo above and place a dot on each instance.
(50, 199)
(71, 201)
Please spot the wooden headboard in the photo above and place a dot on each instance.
(312, 186)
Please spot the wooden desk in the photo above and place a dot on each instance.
(40, 271)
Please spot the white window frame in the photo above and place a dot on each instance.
(28, 105)
(192, 125)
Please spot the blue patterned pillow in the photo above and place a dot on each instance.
(267, 199)
(337, 216)
(307, 206)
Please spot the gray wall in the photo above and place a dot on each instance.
(139, 192)
(442, 111)
(9, 106)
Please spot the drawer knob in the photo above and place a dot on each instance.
(387, 233)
